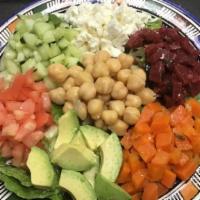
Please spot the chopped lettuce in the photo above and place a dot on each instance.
(56, 111)
(155, 24)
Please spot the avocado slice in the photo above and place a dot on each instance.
(74, 157)
(92, 172)
(106, 190)
(79, 139)
(77, 185)
(42, 172)
(94, 136)
(67, 127)
(111, 157)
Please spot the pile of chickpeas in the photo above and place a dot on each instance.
(109, 91)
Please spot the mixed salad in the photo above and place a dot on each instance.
(100, 102)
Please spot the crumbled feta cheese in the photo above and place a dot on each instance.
(105, 26)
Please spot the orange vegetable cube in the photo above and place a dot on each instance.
(150, 192)
(194, 105)
(184, 172)
(142, 128)
(138, 178)
(155, 172)
(168, 178)
(126, 141)
(161, 158)
(178, 115)
(195, 141)
(137, 196)
(161, 189)
(129, 187)
(197, 125)
(145, 149)
(175, 156)
(124, 174)
(182, 143)
(165, 141)
(135, 162)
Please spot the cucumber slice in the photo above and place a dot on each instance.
(31, 40)
(44, 51)
(45, 63)
(15, 45)
(74, 51)
(58, 59)
(48, 37)
(70, 61)
(70, 34)
(21, 27)
(12, 67)
(29, 24)
(41, 71)
(59, 33)
(40, 28)
(10, 54)
(49, 83)
(29, 64)
(37, 56)
(6, 76)
(20, 57)
(63, 43)
(54, 50)
(27, 52)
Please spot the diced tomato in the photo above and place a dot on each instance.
(35, 96)
(9, 119)
(10, 129)
(28, 106)
(33, 138)
(6, 150)
(12, 105)
(18, 154)
(40, 87)
(19, 115)
(2, 84)
(46, 101)
(43, 119)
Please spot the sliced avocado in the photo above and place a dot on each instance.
(42, 172)
(106, 190)
(79, 139)
(91, 173)
(94, 136)
(111, 157)
(67, 127)
(74, 157)
(77, 185)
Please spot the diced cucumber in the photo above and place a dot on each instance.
(48, 37)
(54, 50)
(17, 36)
(49, 83)
(63, 43)
(19, 46)
(41, 28)
(12, 67)
(74, 51)
(31, 40)
(15, 45)
(21, 27)
(45, 63)
(29, 64)
(55, 20)
(10, 54)
(2, 63)
(70, 61)
(59, 33)
(20, 57)
(70, 34)
(27, 52)
(58, 59)
(37, 56)
(41, 71)
(29, 24)
(44, 51)
(6, 76)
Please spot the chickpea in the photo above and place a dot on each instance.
(58, 72)
(87, 91)
(126, 60)
(68, 106)
(74, 70)
(81, 109)
(131, 115)
(104, 85)
(113, 65)
(133, 101)
(72, 94)
(101, 56)
(123, 75)
(117, 106)
(119, 127)
(100, 124)
(147, 95)
(57, 95)
(100, 69)
(139, 72)
(104, 98)
(109, 116)
(82, 77)
(135, 83)
(89, 68)
(88, 59)
(119, 91)
(95, 108)
(68, 83)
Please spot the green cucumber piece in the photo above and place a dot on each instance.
(70, 61)
(29, 24)
(29, 64)
(10, 54)
(31, 40)
(48, 37)
(58, 59)
(49, 83)
(59, 33)
(54, 50)
(40, 28)
(41, 71)
(63, 43)
(20, 57)
(70, 34)
(37, 56)
(12, 67)
(44, 51)
(74, 51)
(21, 27)
(27, 52)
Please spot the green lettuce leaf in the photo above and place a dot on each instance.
(156, 24)
(56, 111)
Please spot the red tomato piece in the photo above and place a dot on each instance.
(18, 154)
(33, 138)
(46, 101)
(28, 106)
(42, 119)
(6, 150)
(10, 129)
(12, 105)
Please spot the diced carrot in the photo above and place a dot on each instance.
(142, 128)
(155, 172)
(129, 187)
(183, 159)
(189, 191)
(124, 175)
(138, 178)
(145, 149)
(165, 141)
(195, 141)
(125, 155)
(161, 158)
(161, 189)
(189, 153)
(196, 159)
(197, 125)
(155, 107)
(168, 178)
(126, 141)
(135, 162)
(137, 196)
(146, 138)
(184, 172)
(150, 192)
(182, 143)
(175, 156)
(194, 106)
(178, 115)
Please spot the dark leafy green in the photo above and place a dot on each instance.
(139, 55)
(56, 111)
(154, 24)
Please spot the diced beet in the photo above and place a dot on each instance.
(178, 92)
(151, 48)
(151, 36)
(156, 56)
(135, 41)
(175, 46)
(156, 72)
(194, 88)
